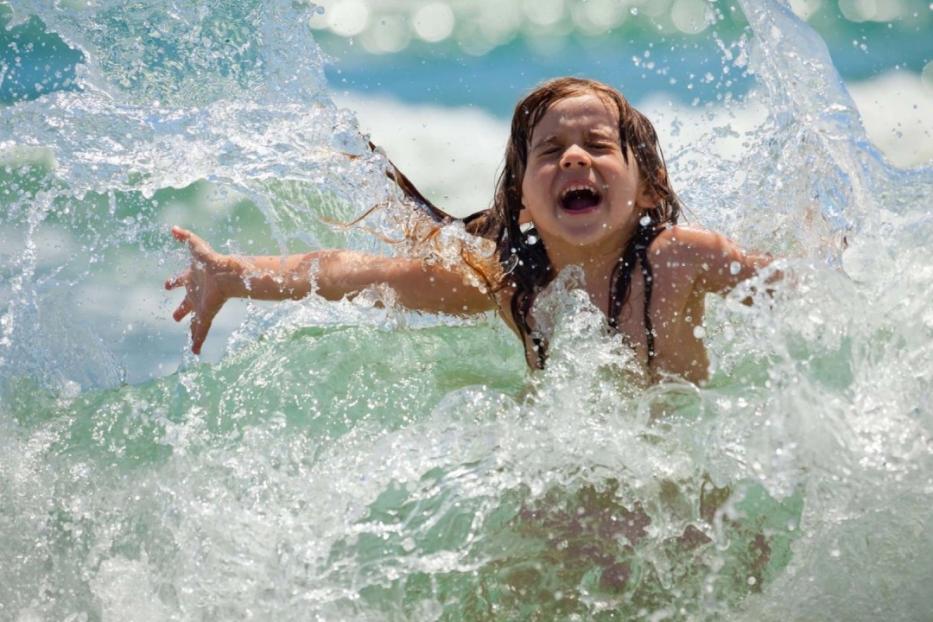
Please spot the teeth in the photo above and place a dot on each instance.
(575, 187)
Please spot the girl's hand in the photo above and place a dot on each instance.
(209, 282)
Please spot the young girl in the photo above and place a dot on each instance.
(584, 169)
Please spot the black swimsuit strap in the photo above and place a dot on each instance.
(642, 251)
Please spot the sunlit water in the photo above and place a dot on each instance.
(341, 461)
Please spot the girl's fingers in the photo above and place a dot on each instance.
(200, 325)
(183, 309)
(198, 247)
(180, 234)
(178, 281)
(202, 319)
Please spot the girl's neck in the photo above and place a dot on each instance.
(598, 264)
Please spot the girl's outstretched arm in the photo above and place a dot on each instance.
(213, 278)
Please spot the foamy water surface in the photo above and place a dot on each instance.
(345, 461)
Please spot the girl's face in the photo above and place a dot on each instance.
(578, 189)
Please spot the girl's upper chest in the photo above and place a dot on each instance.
(660, 302)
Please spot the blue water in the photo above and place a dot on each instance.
(495, 80)
(444, 74)
(351, 461)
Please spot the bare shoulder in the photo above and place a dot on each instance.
(682, 239)
(685, 248)
(716, 262)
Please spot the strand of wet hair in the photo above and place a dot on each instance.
(635, 251)
(648, 276)
(523, 299)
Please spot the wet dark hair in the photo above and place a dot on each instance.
(523, 259)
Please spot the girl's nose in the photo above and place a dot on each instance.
(575, 156)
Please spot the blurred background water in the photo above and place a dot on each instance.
(344, 461)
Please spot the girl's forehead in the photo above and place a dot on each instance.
(586, 111)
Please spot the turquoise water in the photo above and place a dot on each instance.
(346, 461)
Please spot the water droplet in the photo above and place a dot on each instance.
(699, 332)
(752, 581)
(645, 220)
(835, 553)
(734, 268)
(728, 333)
(634, 10)
(532, 239)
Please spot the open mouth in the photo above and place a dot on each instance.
(579, 198)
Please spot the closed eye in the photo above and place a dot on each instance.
(548, 151)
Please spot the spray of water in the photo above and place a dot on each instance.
(309, 474)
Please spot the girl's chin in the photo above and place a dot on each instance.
(583, 212)
(577, 238)
(577, 213)
(581, 228)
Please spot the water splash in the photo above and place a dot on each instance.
(356, 462)
(193, 115)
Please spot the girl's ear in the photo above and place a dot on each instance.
(646, 197)
(524, 216)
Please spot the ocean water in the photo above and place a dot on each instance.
(349, 461)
